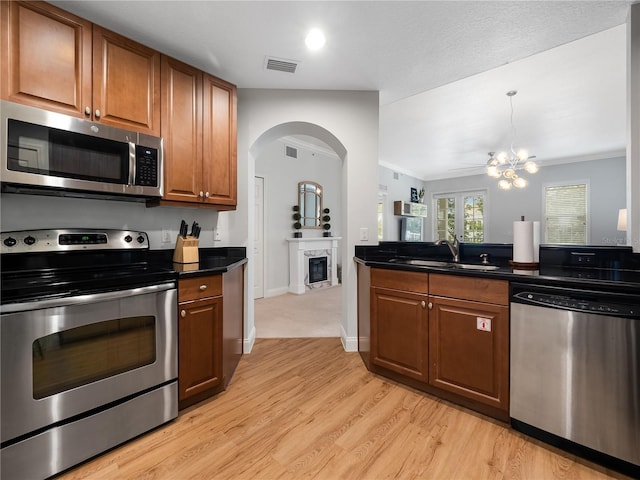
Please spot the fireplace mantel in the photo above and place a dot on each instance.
(298, 260)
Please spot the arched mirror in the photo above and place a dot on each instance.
(310, 203)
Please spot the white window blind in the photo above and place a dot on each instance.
(566, 214)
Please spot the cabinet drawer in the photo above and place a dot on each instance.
(400, 280)
(196, 288)
(470, 288)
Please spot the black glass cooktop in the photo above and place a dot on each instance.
(39, 277)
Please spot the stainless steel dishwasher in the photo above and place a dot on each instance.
(575, 371)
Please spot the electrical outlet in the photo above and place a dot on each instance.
(364, 234)
(166, 236)
(583, 258)
(216, 236)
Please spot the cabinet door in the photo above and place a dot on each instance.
(182, 130)
(45, 58)
(219, 142)
(469, 350)
(200, 347)
(399, 335)
(126, 83)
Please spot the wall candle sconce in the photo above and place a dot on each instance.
(622, 220)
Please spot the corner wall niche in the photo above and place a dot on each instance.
(301, 250)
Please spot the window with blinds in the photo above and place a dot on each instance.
(566, 217)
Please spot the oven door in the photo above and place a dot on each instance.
(66, 357)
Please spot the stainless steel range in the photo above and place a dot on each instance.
(88, 347)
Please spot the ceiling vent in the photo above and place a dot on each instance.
(291, 151)
(280, 64)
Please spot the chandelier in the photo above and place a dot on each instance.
(504, 165)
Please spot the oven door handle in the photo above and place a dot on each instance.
(84, 299)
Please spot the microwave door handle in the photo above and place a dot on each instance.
(132, 163)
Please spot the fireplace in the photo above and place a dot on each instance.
(317, 269)
(313, 263)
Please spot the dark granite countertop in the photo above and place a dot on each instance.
(614, 269)
(212, 261)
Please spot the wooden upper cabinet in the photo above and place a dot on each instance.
(200, 130)
(45, 58)
(181, 130)
(126, 83)
(219, 142)
(57, 61)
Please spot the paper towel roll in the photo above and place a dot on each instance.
(523, 241)
(536, 241)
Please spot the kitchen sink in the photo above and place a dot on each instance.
(441, 264)
(474, 266)
(426, 263)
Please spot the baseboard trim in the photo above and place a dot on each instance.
(350, 344)
(249, 341)
(274, 292)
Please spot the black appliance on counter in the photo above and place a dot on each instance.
(88, 346)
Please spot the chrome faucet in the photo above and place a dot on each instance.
(454, 247)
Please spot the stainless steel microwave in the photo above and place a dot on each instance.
(49, 152)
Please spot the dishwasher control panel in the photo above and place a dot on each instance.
(570, 303)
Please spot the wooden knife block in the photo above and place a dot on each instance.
(186, 250)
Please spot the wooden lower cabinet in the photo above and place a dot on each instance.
(364, 313)
(210, 333)
(233, 321)
(199, 350)
(445, 334)
(469, 350)
(399, 323)
(399, 326)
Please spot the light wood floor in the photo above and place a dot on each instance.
(303, 408)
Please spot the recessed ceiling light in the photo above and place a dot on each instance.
(315, 39)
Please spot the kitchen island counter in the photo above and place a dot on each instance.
(618, 270)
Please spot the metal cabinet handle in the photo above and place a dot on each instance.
(423, 304)
(430, 306)
(183, 313)
(87, 111)
(203, 288)
(206, 194)
(201, 194)
(97, 114)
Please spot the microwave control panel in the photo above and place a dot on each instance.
(146, 167)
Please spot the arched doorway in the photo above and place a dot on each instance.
(317, 155)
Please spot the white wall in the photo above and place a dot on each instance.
(29, 212)
(281, 176)
(397, 186)
(606, 179)
(345, 120)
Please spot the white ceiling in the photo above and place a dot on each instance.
(442, 67)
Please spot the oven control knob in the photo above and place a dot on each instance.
(140, 239)
(128, 239)
(29, 240)
(10, 241)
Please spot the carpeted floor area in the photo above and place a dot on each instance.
(313, 314)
